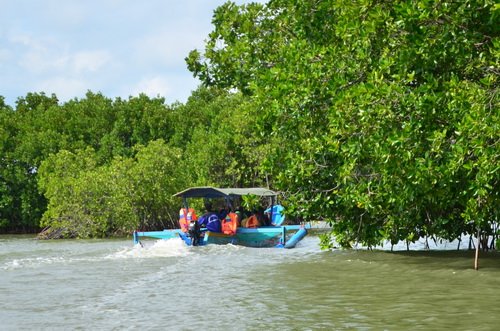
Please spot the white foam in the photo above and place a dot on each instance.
(159, 248)
(31, 262)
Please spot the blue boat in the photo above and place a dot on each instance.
(273, 235)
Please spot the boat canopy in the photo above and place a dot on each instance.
(214, 192)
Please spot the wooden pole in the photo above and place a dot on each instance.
(476, 260)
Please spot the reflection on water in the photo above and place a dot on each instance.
(111, 284)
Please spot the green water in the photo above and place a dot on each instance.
(111, 285)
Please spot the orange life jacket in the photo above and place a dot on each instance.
(230, 224)
(252, 222)
(185, 217)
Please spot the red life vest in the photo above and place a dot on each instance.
(185, 217)
(252, 222)
(230, 224)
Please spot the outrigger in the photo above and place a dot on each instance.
(273, 235)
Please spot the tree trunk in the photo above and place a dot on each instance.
(476, 259)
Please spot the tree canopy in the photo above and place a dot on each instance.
(383, 115)
(97, 167)
(379, 117)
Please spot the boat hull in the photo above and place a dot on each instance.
(247, 238)
(273, 236)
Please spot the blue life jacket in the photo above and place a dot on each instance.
(210, 221)
(278, 217)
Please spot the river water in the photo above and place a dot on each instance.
(113, 285)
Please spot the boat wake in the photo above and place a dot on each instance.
(81, 252)
(31, 262)
(84, 252)
(151, 249)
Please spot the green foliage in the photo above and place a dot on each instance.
(40, 126)
(250, 202)
(382, 116)
(6, 174)
(86, 200)
(92, 149)
(221, 143)
(156, 176)
(20, 204)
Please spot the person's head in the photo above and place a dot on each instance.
(208, 206)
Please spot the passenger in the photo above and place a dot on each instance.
(186, 215)
(251, 222)
(262, 217)
(241, 215)
(230, 224)
(222, 213)
(210, 220)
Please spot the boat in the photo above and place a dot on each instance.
(275, 234)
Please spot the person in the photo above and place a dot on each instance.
(240, 213)
(263, 219)
(256, 219)
(229, 224)
(210, 220)
(186, 215)
(250, 222)
(223, 213)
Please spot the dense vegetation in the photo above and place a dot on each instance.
(380, 117)
(96, 167)
(383, 115)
